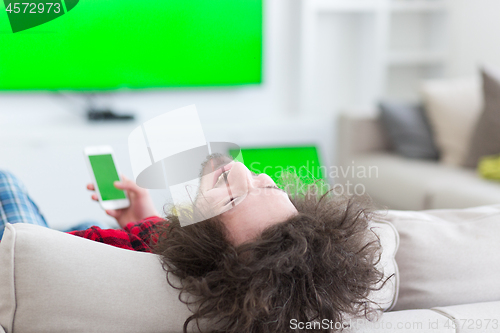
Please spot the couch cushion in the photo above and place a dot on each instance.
(448, 257)
(453, 108)
(409, 321)
(475, 317)
(395, 181)
(406, 184)
(486, 138)
(65, 283)
(464, 189)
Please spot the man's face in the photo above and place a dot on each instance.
(245, 202)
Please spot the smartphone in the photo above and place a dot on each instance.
(103, 171)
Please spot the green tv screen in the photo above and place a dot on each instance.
(111, 44)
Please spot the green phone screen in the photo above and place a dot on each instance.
(105, 175)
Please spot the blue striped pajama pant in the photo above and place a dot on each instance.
(16, 206)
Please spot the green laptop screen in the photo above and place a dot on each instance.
(94, 45)
(273, 161)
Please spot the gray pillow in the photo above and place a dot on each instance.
(486, 138)
(408, 129)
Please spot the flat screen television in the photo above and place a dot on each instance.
(102, 45)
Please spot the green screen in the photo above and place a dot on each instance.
(105, 174)
(302, 161)
(112, 44)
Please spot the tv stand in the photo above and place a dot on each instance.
(107, 115)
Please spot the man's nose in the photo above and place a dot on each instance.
(256, 180)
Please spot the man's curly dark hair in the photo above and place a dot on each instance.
(319, 264)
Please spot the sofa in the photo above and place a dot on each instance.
(401, 183)
(442, 264)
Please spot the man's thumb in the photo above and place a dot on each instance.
(122, 185)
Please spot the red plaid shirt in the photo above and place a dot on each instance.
(135, 236)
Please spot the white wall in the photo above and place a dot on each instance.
(474, 35)
(343, 55)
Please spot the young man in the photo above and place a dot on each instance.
(246, 202)
(262, 259)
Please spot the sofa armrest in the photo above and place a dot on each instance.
(357, 135)
(55, 282)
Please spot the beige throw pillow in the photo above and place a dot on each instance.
(453, 108)
(447, 257)
(486, 138)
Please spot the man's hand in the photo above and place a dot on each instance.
(141, 204)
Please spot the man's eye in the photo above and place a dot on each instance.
(231, 200)
(276, 187)
(222, 179)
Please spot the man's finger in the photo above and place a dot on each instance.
(91, 187)
(94, 197)
(112, 213)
